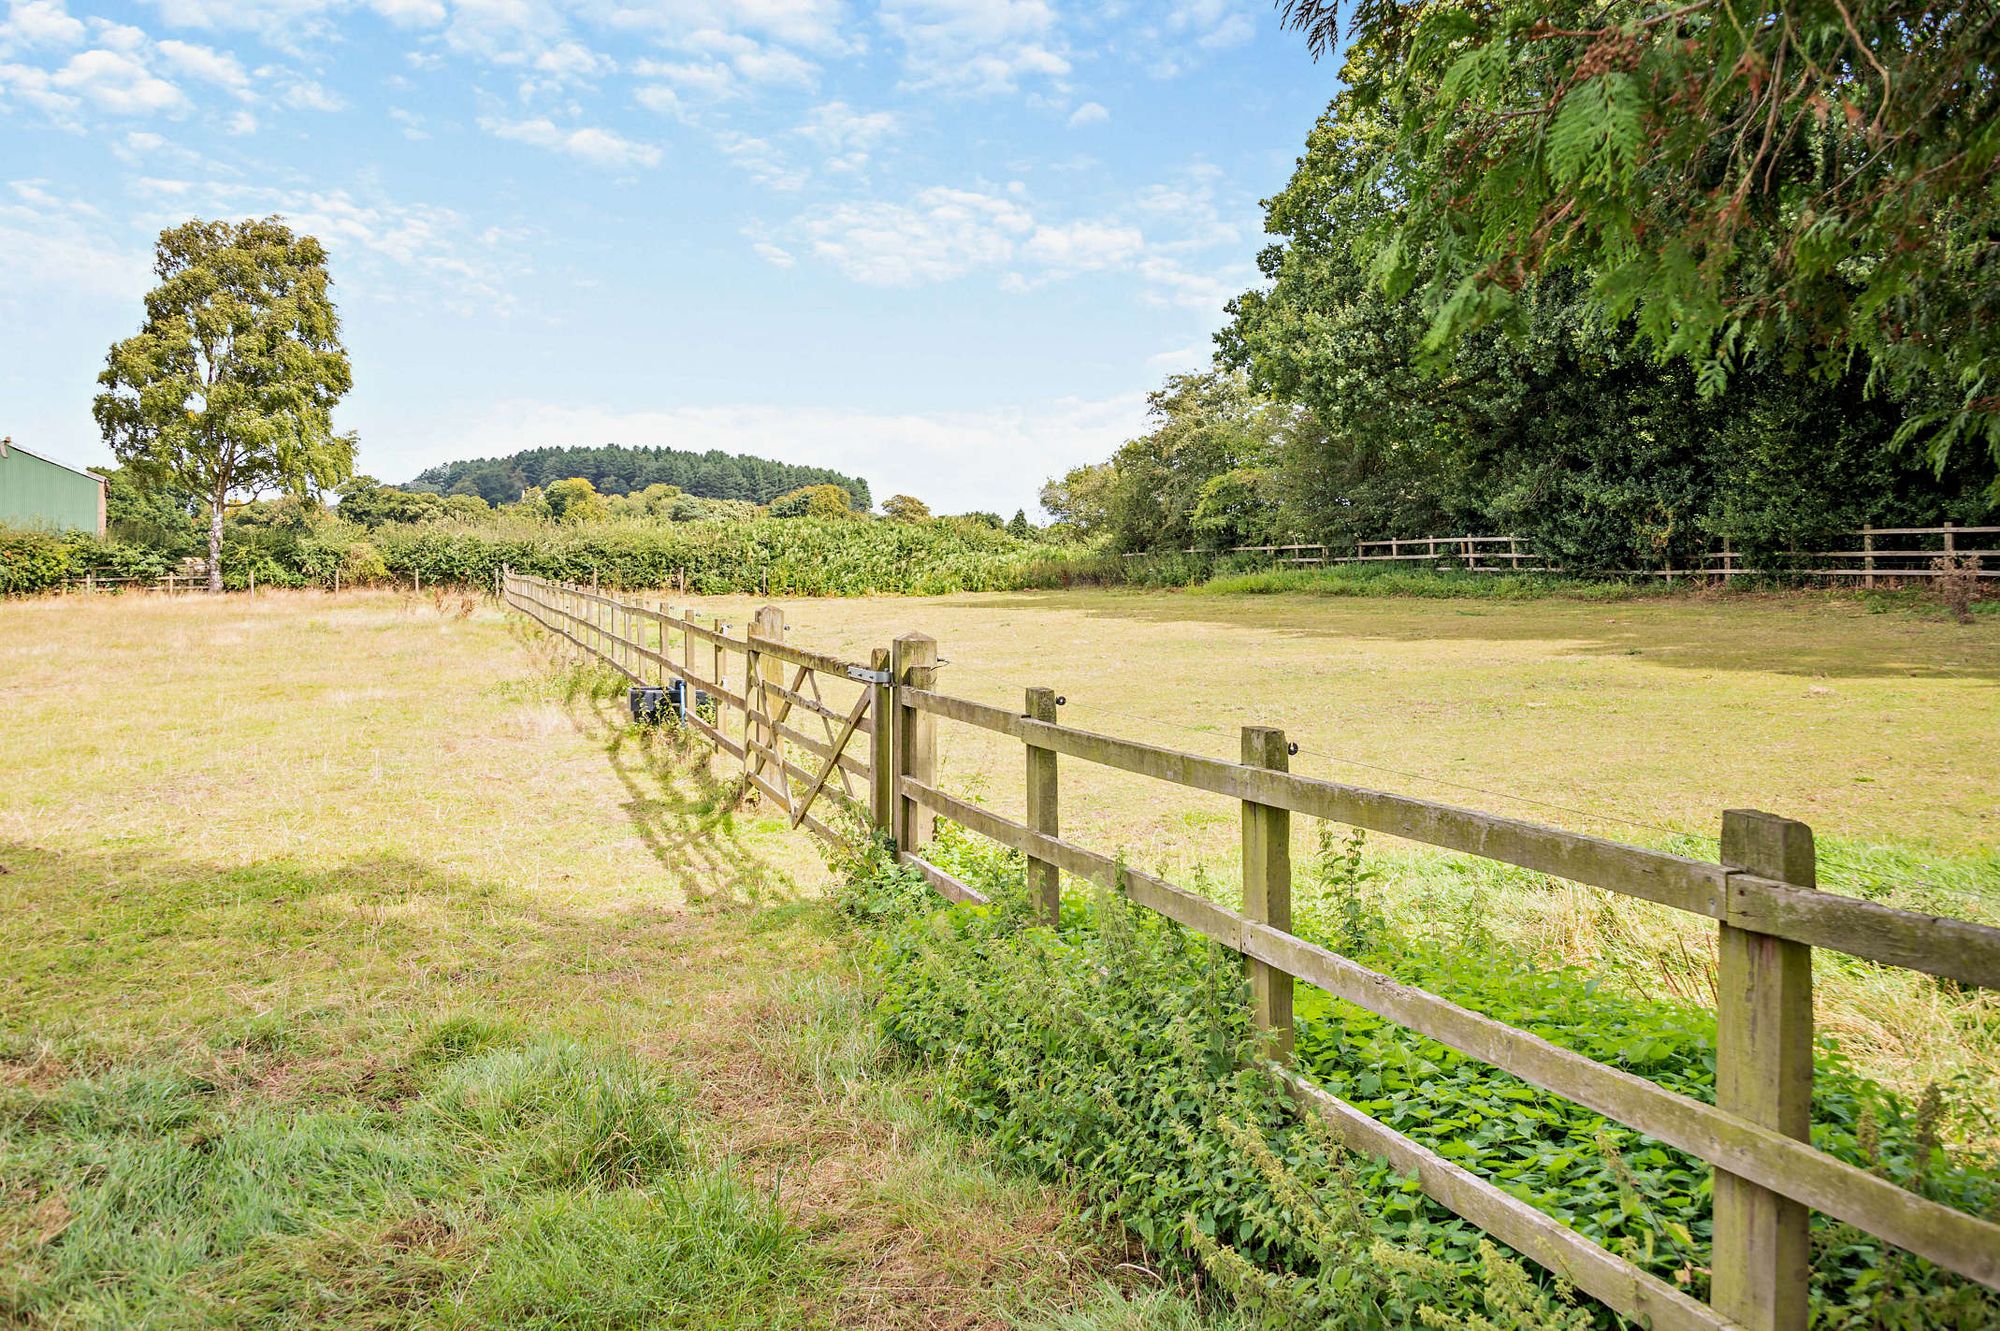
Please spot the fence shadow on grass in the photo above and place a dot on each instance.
(685, 813)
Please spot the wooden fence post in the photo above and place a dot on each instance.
(770, 671)
(1763, 1071)
(1044, 879)
(913, 663)
(1867, 557)
(1267, 886)
(882, 750)
(717, 663)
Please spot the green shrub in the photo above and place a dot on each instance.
(1117, 1053)
(1118, 1056)
(32, 560)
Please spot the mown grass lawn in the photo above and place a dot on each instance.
(362, 968)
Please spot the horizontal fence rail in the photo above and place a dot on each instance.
(1762, 896)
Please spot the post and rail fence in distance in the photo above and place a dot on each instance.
(1913, 554)
(1762, 895)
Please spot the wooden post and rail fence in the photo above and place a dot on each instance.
(1762, 896)
(1913, 555)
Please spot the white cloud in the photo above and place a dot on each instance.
(711, 78)
(110, 80)
(1090, 113)
(410, 13)
(807, 25)
(844, 136)
(1193, 356)
(761, 158)
(291, 24)
(838, 127)
(588, 143)
(572, 60)
(1211, 24)
(995, 457)
(240, 123)
(56, 243)
(1078, 247)
(775, 255)
(40, 23)
(775, 65)
(943, 234)
(461, 264)
(976, 46)
(658, 97)
(204, 63)
(306, 95)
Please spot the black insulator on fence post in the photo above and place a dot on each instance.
(649, 703)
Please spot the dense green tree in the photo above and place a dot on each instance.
(653, 501)
(228, 388)
(1080, 498)
(1813, 185)
(367, 502)
(905, 508)
(159, 517)
(1559, 427)
(574, 500)
(1018, 526)
(814, 501)
(1164, 491)
(495, 482)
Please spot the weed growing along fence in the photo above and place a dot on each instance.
(1754, 1137)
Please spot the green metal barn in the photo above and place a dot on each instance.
(35, 492)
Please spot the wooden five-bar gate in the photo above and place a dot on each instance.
(1762, 896)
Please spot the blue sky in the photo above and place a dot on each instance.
(948, 244)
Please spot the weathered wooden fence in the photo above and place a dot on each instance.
(1873, 555)
(1763, 897)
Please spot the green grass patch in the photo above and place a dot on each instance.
(488, 1178)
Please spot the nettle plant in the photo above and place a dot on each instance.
(1117, 1054)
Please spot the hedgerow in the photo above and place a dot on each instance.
(33, 560)
(779, 557)
(1117, 1053)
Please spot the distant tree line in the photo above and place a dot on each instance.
(617, 469)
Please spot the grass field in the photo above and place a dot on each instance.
(362, 969)
(1639, 720)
